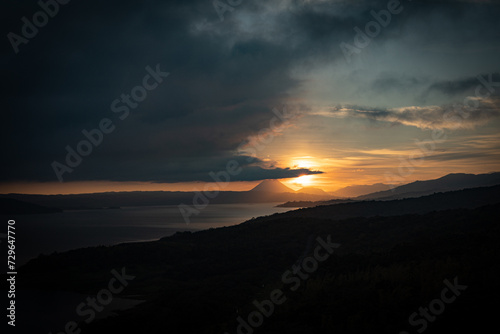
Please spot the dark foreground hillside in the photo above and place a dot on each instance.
(467, 198)
(385, 269)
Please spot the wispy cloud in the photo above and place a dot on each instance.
(451, 116)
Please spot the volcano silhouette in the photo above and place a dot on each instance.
(272, 186)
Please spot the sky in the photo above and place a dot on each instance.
(170, 95)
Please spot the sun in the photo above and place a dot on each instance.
(304, 180)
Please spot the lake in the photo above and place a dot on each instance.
(47, 233)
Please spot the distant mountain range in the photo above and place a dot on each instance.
(268, 191)
(315, 191)
(275, 186)
(446, 183)
(359, 190)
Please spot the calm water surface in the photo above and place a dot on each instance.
(36, 234)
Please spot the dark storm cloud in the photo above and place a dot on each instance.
(225, 78)
(180, 169)
(454, 87)
(459, 86)
(400, 83)
(64, 80)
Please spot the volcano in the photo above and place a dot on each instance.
(272, 186)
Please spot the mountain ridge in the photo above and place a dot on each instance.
(360, 190)
(448, 182)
